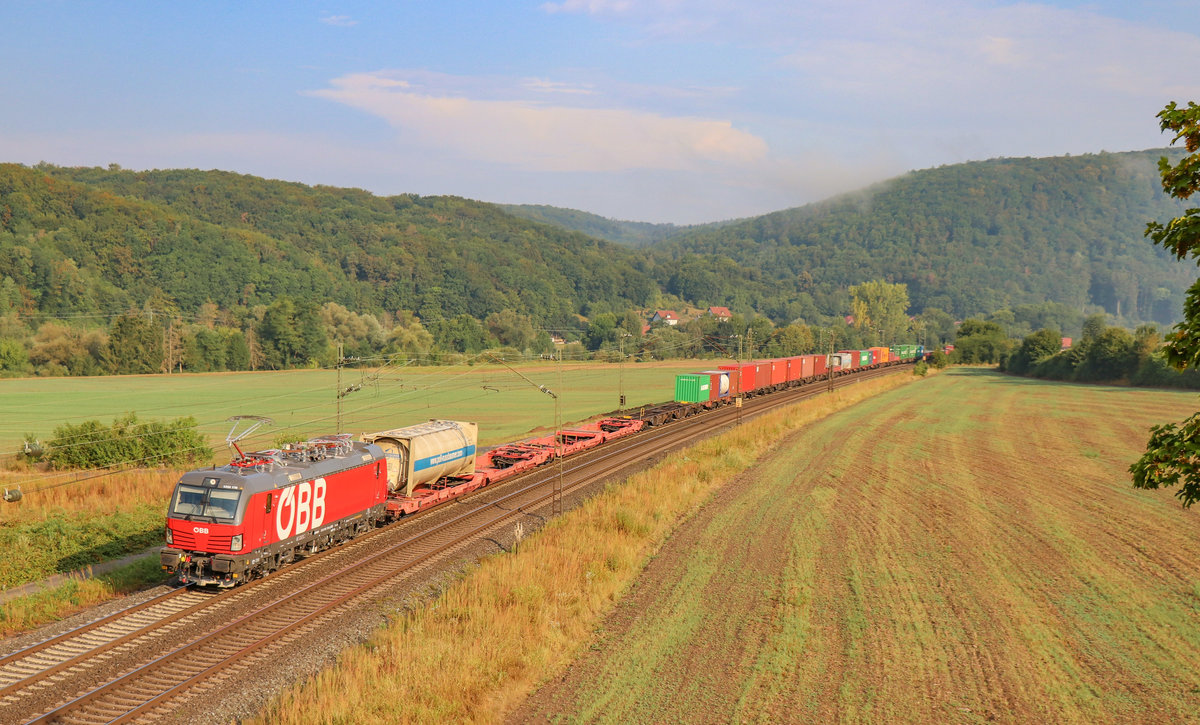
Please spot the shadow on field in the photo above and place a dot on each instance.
(995, 377)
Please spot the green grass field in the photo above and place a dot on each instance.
(304, 402)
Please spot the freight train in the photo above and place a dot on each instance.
(264, 509)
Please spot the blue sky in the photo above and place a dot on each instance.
(652, 110)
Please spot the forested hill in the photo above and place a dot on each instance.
(969, 238)
(88, 239)
(631, 234)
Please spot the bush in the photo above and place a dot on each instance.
(126, 442)
(920, 368)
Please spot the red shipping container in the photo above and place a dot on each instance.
(855, 357)
(795, 368)
(778, 371)
(743, 377)
(820, 365)
(806, 366)
(762, 373)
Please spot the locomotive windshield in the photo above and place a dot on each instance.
(211, 502)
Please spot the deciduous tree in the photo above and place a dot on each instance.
(882, 306)
(1172, 454)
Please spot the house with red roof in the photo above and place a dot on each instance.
(665, 316)
(721, 313)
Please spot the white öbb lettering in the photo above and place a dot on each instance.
(199, 529)
(301, 507)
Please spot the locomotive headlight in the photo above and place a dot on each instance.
(236, 544)
(170, 538)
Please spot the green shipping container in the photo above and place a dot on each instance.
(864, 357)
(691, 388)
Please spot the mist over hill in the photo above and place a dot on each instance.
(973, 238)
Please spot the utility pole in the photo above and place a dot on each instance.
(621, 373)
(832, 350)
(558, 484)
(340, 395)
(558, 487)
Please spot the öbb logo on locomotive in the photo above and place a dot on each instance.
(264, 509)
(301, 506)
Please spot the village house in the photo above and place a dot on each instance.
(665, 316)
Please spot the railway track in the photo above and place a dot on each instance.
(137, 664)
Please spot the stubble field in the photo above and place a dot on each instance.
(964, 550)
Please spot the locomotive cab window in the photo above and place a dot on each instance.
(197, 501)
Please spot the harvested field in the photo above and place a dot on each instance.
(965, 550)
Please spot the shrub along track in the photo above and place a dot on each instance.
(146, 669)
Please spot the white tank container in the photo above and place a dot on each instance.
(423, 453)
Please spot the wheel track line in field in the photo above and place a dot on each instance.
(790, 630)
(832, 592)
(963, 535)
(756, 559)
(941, 512)
(1077, 514)
(907, 596)
(1110, 561)
(1009, 541)
(1027, 539)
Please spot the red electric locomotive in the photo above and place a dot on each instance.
(243, 520)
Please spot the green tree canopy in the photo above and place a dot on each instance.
(1173, 452)
(135, 345)
(881, 306)
(1034, 349)
(980, 341)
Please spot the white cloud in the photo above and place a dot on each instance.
(542, 85)
(530, 135)
(341, 21)
(943, 81)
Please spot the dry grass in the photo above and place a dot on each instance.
(63, 529)
(476, 652)
(69, 494)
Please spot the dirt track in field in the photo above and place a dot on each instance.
(965, 550)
